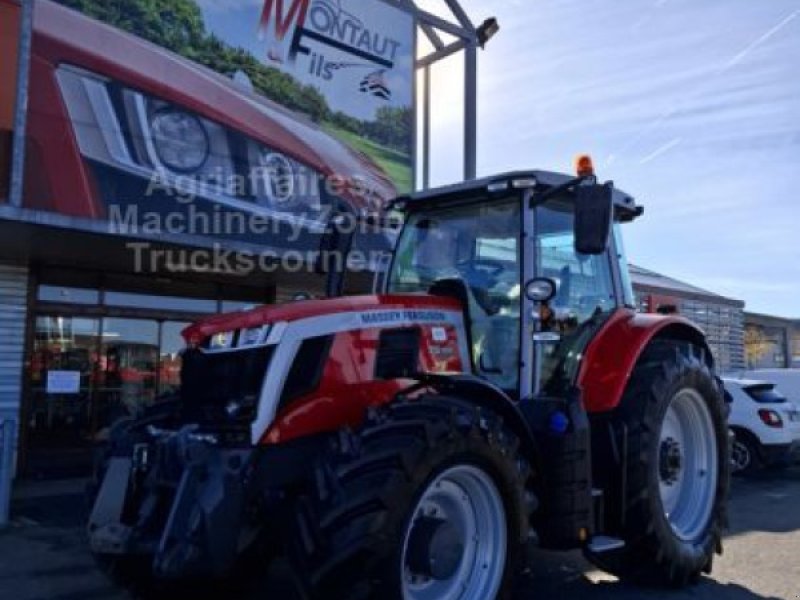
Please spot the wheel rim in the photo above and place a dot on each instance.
(454, 546)
(688, 464)
(740, 456)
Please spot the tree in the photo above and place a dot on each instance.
(756, 345)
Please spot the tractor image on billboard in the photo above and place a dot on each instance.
(500, 390)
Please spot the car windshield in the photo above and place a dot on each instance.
(477, 245)
(765, 394)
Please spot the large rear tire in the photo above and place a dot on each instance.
(427, 500)
(678, 468)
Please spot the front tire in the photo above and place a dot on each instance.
(427, 500)
(678, 468)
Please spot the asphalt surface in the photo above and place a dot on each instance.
(43, 555)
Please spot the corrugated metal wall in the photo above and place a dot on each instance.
(13, 306)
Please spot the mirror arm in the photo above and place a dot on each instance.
(555, 191)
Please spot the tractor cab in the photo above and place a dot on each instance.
(536, 262)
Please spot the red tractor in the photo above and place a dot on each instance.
(501, 391)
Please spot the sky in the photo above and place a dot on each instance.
(692, 107)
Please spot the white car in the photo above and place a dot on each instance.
(786, 380)
(766, 424)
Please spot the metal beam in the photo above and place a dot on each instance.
(461, 15)
(440, 54)
(426, 129)
(433, 36)
(426, 18)
(471, 111)
(21, 103)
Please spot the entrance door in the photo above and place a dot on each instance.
(63, 369)
(128, 374)
(85, 373)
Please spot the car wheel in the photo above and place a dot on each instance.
(745, 455)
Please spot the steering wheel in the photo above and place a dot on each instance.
(480, 275)
(485, 266)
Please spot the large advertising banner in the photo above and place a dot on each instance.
(9, 42)
(154, 113)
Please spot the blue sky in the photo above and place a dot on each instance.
(691, 106)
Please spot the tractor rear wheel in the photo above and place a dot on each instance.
(678, 468)
(427, 500)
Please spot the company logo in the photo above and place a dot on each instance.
(395, 316)
(290, 25)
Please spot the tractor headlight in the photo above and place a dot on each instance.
(150, 137)
(180, 140)
(278, 177)
(284, 184)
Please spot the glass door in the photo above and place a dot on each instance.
(128, 371)
(62, 377)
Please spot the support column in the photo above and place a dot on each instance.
(13, 308)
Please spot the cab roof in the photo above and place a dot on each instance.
(482, 188)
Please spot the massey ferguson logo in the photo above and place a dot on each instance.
(289, 24)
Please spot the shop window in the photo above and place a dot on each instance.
(62, 377)
(170, 359)
(68, 295)
(233, 306)
(128, 371)
(153, 302)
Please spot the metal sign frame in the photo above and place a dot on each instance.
(468, 38)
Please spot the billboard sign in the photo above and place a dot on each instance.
(360, 56)
(179, 116)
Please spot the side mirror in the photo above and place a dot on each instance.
(594, 213)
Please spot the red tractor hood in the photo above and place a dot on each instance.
(62, 35)
(406, 305)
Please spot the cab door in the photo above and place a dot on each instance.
(586, 296)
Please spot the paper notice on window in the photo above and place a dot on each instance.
(63, 382)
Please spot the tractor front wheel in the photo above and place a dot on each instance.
(677, 468)
(427, 500)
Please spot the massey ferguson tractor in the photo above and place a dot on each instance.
(500, 391)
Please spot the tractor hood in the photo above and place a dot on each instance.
(373, 310)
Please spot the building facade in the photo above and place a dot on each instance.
(721, 318)
(771, 342)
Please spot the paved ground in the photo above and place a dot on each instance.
(43, 556)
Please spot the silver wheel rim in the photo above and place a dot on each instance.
(466, 501)
(740, 456)
(688, 464)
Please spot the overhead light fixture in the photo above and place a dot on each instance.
(487, 31)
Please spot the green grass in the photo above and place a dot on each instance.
(395, 164)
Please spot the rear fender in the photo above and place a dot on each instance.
(612, 355)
